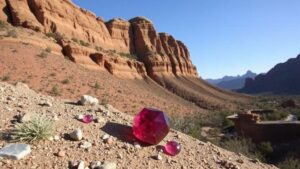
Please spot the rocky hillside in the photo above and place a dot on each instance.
(127, 49)
(284, 78)
(108, 140)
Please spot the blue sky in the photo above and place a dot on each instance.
(225, 37)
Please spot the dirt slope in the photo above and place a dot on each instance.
(194, 154)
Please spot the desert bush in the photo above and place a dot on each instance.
(98, 48)
(83, 43)
(43, 54)
(129, 55)
(6, 78)
(97, 85)
(276, 115)
(265, 148)
(188, 125)
(112, 52)
(38, 128)
(57, 36)
(192, 125)
(75, 40)
(65, 81)
(243, 146)
(12, 33)
(48, 49)
(289, 163)
(55, 91)
(2, 24)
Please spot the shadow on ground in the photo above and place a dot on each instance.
(120, 131)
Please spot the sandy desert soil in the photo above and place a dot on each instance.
(20, 99)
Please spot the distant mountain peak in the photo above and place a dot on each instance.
(283, 78)
(232, 82)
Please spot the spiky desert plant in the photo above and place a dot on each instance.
(36, 129)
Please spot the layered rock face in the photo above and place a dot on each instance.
(159, 54)
(3, 11)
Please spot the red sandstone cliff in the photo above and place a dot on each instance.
(129, 49)
(138, 36)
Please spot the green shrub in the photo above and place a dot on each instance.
(128, 55)
(38, 128)
(66, 81)
(57, 36)
(6, 78)
(276, 115)
(2, 24)
(265, 148)
(75, 40)
(12, 33)
(55, 91)
(289, 163)
(97, 85)
(98, 48)
(243, 146)
(83, 43)
(43, 54)
(48, 49)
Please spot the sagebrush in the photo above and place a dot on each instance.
(36, 129)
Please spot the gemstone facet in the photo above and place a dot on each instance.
(87, 118)
(172, 148)
(151, 126)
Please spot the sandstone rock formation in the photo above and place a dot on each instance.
(3, 11)
(159, 53)
(128, 49)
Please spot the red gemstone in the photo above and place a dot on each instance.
(87, 118)
(172, 148)
(151, 126)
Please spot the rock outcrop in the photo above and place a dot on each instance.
(160, 53)
(128, 49)
(3, 11)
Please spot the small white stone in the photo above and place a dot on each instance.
(79, 116)
(158, 157)
(105, 137)
(56, 138)
(81, 165)
(86, 145)
(137, 145)
(76, 135)
(15, 151)
(55, 118)
(26, 117)
(95, 164)
(108, 165)
(50, 138)
(89, 100)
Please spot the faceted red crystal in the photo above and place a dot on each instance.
(151, 126)
(87, 118)
(172, 148)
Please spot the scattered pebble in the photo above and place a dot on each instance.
(81, 165)
(105, 137)
(61, 154)
(108, 165)
(86, 145)
(88, 100)
(137, 145)
(76, 135)
(79, 117)
(158, 157)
